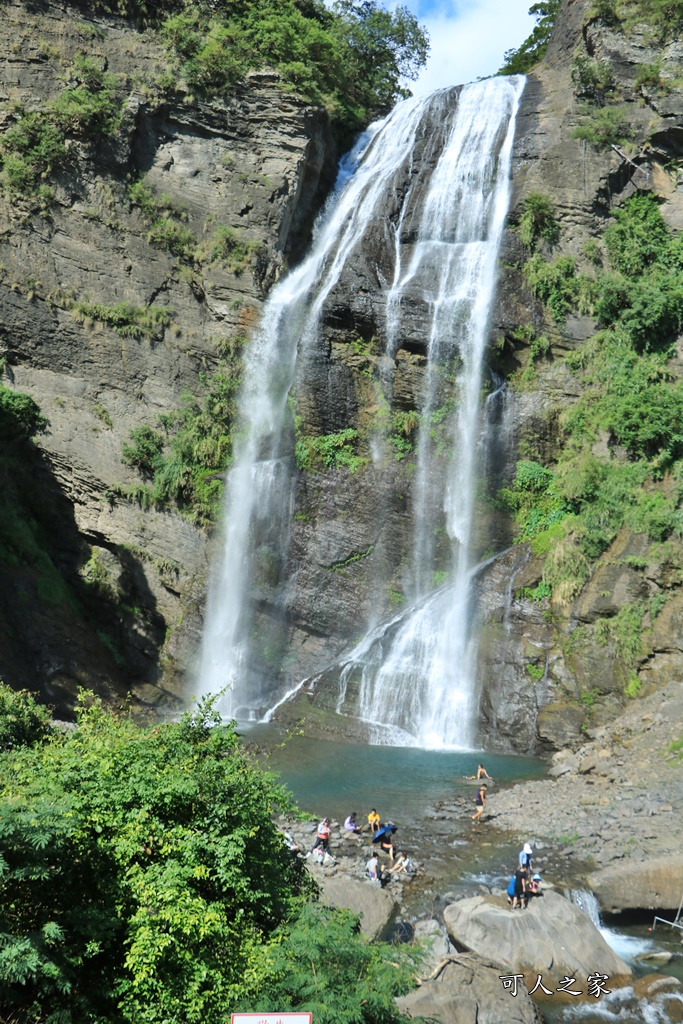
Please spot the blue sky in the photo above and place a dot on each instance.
(469, 37)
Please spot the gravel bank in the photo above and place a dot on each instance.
(618, 796)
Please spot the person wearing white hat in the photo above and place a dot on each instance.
(525, 855)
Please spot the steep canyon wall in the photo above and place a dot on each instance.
(258, 165)
(108, 325)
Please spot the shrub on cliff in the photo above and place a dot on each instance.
(142, 881)
(525, 57)
(23, 722)
(353, 56)
(20, 417)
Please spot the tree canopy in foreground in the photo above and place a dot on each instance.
(143, 881)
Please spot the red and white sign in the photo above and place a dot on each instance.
(271, 1018)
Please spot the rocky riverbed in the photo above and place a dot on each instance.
(619, 796)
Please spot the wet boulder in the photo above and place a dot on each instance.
(552, 937)
(654, 883)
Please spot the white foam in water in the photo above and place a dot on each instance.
(628, 947)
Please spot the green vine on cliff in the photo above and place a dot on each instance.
(632, 402)
(183, 457)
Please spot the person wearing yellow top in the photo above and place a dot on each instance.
(373, 820)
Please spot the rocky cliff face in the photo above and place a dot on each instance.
(256, 164)
(550, 671)
(259, 164)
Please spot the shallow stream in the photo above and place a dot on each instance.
(422, 791)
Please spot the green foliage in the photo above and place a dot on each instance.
(663, 19)
(141, 871)
(184, 460)
(605, 10)
(323, 966)
(143, 881)
(34, 145)
(650, 76)
(642, 295)
(165, 221)
(30, 151)
(22, 721)
(521, 60)
(590, 697)
(127, 320)
(539, 593)
(535, 670)
(624, 631)
(556, 284)
(233, 252)
(177, 239)
(145, 452)
(633, 686)
(537, 221)
(20, 417)
(26, 527)
(403, 428)
(604, 126)
(534, 499)
(592, 78)
(639, 238)
(329, 451)
(351, 56)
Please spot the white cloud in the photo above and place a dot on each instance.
(468, 41)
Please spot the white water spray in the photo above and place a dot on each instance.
(417, 684)
(416, 677)
(259, 494)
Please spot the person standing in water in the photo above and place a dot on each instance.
(480, 801)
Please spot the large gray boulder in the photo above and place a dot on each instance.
(552, 937)
(652, 884)
(466, 989)
(375, 907)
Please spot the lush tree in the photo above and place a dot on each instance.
(142, 881)
(140, 872)
(522, 59)
(20, 417)
(22, 721)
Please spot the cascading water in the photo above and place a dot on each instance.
(415, 677)
(417, 681)
(258, 502)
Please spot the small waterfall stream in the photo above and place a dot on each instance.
(415, 681)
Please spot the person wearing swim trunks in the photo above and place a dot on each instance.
(480, 801)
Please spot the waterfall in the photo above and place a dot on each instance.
(259, 487)
(414, 677)
(417, 683)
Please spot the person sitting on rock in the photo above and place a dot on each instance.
(373, 820)
(290, 843)
(519, 900)
(350, 824)
(373, 869)
(480, 801)
(534, 887)
(403, 864)
(482, 773)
